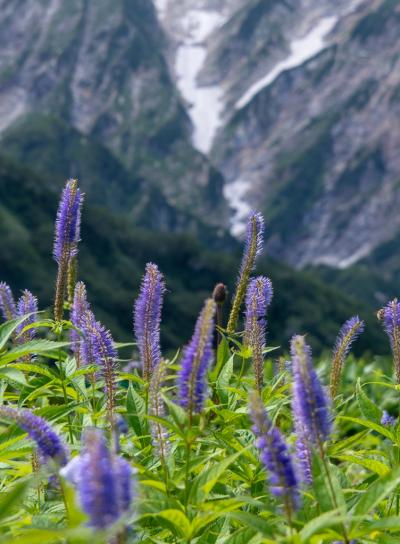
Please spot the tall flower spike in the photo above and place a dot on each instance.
(7, 303)
(258, 297)
(99, 346)
(147, 318)
(104, 481)
(391, 323)
(80, 305)
(347, 335)
(252, 249)
(195, 362)
(27, 304)
(67, 235)
(157, 409)
(274, 455)
(310, 404)
(47, 441)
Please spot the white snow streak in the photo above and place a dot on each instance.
(205, 103)
(235, 194)
(301, 50)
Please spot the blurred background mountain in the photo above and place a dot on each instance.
(178, 117)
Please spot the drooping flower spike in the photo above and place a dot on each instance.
(252, 249)
(103, 480)
(47, 441)
(67, 236)
(97, 347)
(310, 403)
(27, 304)
(347, 335)
(195, 362)
(274, 455)
(258, 297)
(7, 302)
(80, 306)
(147, 318)
(391, 323)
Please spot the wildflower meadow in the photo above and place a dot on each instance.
(226, 441)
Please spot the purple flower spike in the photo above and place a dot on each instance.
(80, 306)
(67, 236)
(252, 249)
(27, 304)
(258, 297)
(103, 480)
(196, 360)
(147, 318)
(347, 335)
(98, 348)
(7, 303)
(310, 404)
(47, 441)
(391, 323)
(68, 222)
(274, 455)
(303, 453)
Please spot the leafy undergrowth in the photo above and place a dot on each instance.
(196, 474)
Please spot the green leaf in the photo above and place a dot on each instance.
(135, 412)
(223, 381)
(222, 356)
(368, 409)
(13, 498)
(7, 329)
(376, 492)
(371, 464)
(370, 425)
(36, 347)
(206, 480)
(177, 521)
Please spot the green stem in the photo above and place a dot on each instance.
(332, 491)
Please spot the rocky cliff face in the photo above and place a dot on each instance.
(317, 145)
(167, 107)
(97, 69)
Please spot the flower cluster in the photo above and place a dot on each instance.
(196, 360)
(252, 249)
(103, 480)
(67, 236)
(147, 318)
(258, 297)
(311, 414)
(391, 323)
(274, 455)
(347, 335)
(7, 302)
(49, 444)
(97, 347)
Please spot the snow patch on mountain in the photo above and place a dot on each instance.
(205, 103)
(301, 50)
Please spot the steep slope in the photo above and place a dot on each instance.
(318, 146)
(98, 68)
(112, 257)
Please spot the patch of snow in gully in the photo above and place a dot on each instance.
(205, 103)
(301, 50)
(235, 194)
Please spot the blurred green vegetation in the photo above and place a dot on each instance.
(113, 254)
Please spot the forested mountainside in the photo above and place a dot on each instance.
(85, 91)
(113, 255)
